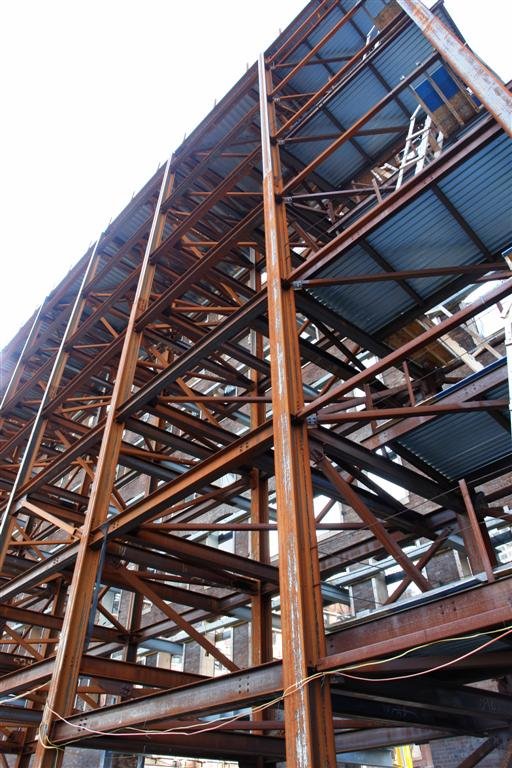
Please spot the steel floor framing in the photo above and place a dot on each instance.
(290, 338)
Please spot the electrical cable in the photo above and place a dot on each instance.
(341, 671)
(23, 695)
(193, 729)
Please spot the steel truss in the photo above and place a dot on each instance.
(278, 326)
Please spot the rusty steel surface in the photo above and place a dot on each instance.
(487, 86)
(308, 708)
(259, 435)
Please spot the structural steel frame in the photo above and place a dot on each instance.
(203, 369)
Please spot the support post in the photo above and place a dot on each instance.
(476, 532)
(261, 604)
(39, 424)
(61, 693)
(20, 364)
(507, 317)
(309, 731)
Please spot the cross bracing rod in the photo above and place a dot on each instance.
(38, 426)
(60, 695)
(400, 354)
(220, 337)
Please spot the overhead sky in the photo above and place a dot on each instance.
(95, 95)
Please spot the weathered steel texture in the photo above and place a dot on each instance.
(386, 737)
(205, 374)
(38, 426)
(475, 139)
(224, 745)
(409, 348)
(308, 711)
(482, 81)
(480, 752)
(61, 692)
(213, 695)
(476, 532)
(472, 610)
(373, 523)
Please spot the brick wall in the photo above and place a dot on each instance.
(449, 753)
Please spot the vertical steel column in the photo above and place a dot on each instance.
(484, 83)
(261, 604)
(18, 369)
(24, 759)
(507, 317)
(261, 625)
(62, 690)
(476, 533)
(309, 726)
(39, 423)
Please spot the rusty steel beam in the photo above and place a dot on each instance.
(215, 695)
(99, 668)
(403, 352)
(373, 523)
(261, 650)
(407, 274)
(223, 745)
(484, 132)
(259, 684)
(231, 327)
(472, 610)
(308, 708)
(221, 462)
(474, 389)
(476, 532)
(352, 131)
(38, 426)
(422, 562)
(39, 572)
(483, 82)
(194, 552)
(436, 409)
(343, 75)
(48, 621)
(480, 752)
(144, 588)
(353, 741)
(305, 28)
(494, 710)
(135, 674)
(314, 50)
(166, 393)
(12, 385)
(63, 684)
(107, 237)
